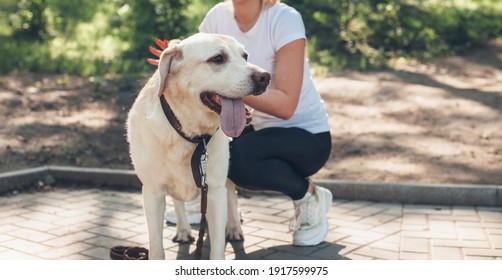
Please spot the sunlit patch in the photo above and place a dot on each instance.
(95, 118)
(395, 166)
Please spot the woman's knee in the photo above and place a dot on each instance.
(242, 176)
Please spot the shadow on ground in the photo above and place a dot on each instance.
(323, 251)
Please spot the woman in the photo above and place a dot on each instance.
(288, 139)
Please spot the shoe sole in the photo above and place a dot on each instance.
(328, 199)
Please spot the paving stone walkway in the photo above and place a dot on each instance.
(66, 223)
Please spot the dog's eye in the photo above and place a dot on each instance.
(219, 59)
(245, 56)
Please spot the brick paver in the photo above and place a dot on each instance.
(84, 224)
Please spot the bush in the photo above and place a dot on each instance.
(366, 34)
(95, 37)
(88, 38)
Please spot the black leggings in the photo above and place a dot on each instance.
(278, 159)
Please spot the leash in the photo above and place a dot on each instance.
(200, 181)
(198, 163)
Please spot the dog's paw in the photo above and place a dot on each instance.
(186, 240)
(183, 237)
(234, 234)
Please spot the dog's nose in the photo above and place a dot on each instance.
(262, 79)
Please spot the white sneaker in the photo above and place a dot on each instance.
(192, 209)
(310, 223)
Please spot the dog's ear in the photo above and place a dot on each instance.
(165, 61)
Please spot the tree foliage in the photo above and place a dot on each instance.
(92, 37)
(365, 34)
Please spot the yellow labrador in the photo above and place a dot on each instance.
(203, 79)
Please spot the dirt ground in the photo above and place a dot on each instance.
(421, 123)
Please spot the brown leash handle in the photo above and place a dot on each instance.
(203, 208)
(199, 162)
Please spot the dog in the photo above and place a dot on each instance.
(203, 79)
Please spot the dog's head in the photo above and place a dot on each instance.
(212, 70)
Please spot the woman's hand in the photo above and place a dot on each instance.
(162, 43)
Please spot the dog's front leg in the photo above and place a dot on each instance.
(183, 230)
(216, 221)
(234, 230)
(154, 205)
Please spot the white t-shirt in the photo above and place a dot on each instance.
(276, 26)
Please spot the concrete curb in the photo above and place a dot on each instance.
(435, 194)
(115, 178)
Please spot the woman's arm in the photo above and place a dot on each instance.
(282, 101)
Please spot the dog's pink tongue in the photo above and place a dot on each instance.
(232, 116)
